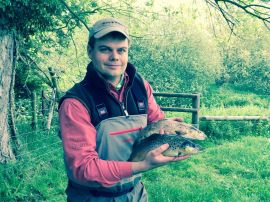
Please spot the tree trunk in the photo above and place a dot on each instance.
(7, 69)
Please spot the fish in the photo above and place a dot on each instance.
(178, 146)
(171, 127)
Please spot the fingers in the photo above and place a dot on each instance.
(179, 119)
(160, 150)
(162, 131)
(180, 158)
(155, 158)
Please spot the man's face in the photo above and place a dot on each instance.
(110, 57)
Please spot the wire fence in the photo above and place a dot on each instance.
(40, 150)
(38, 154)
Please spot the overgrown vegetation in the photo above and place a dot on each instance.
(177, 51)
(233, 165)
(233, 171)
(179, 48)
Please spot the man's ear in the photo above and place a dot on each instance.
(89, 52)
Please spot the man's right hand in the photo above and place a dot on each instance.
(155, 159)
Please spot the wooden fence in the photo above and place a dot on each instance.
(233, 118)
(195, 105)
(196, 108)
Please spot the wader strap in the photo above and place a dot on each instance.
(139, 92)
(101, 193)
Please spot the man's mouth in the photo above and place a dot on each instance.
(113, 66)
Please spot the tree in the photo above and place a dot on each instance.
(7, 62)
(255, 8)
(26, 25)
(29, 27)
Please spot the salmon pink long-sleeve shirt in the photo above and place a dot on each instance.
(79, 141)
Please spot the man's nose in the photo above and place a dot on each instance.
(114, 55)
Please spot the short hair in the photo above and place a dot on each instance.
(115, 35)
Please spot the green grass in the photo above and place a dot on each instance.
(42, 180)
(228, 96)
(234, 166)
(233, 171)
(38, 174)
(226, 101)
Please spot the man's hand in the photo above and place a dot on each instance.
(179, 119)
(155, 159)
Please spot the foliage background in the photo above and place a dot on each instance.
(178, 46)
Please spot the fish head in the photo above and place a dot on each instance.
(190, 148)
(179, 146)
(190, 132)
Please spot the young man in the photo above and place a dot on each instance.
(100, 118)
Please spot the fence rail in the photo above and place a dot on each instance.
(195, 105)
(178, 109)
(181, 95)
(196, 108)
(233, 118)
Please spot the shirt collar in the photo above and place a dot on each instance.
(121, 82)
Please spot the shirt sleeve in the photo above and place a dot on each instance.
(154, 112)
(79, 142)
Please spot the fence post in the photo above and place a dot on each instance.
(44, 108)
(34, 110)
(54, 82)
(43, 105)
(12, 123)
(51, 109)
(195, 115)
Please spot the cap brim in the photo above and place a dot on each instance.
(108, 30)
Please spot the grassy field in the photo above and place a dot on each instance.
(232, 171)
(233, 167)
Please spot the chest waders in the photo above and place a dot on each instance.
(117, 125)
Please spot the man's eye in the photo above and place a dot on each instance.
(104, 50)
(121, 50)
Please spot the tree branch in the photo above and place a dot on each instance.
(76, 51)
(75, 15)
(25, 57)
(260, 11)
(245, 7)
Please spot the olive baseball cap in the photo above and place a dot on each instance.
(107, 25)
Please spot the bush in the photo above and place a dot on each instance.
(188, 62)
(247, 60)
(233, 130)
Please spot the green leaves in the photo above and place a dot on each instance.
(172, 64)
(4, 4)
(247, 59)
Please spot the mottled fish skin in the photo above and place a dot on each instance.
(171, 127)
(178, 146)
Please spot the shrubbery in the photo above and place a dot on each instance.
(233, 130)
(178, 64)
(246, 59)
